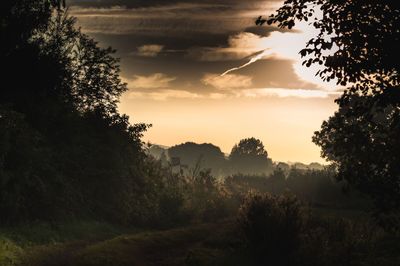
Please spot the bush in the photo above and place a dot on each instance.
(271, 226)
(206, 198)
(333, 241)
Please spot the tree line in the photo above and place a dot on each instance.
(249, 156)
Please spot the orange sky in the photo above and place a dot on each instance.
(284, 125)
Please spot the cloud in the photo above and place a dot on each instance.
(239, 46)
(149, 50)
(167, 19)
(285, 93)
(278, 45)
(168, 94)
(200, 37)
(147, 3)
(283, 45)
(227, 82)
(164, 95)
(154, 81)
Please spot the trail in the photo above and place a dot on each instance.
(170, 247)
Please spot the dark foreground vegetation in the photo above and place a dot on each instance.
(245, 220)
(267, 230)
(77, 186)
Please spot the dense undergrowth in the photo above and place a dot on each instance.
(266, 230)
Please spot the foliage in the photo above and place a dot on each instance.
(92, 80)
(271, 225)
(366, 149)
(9, 253)
(250, 157)
(362, 35)
(65, 150)
(357, 45)
(28, 181)
(207, 155)
(317, 188)
(207, 197)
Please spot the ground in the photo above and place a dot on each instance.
(183, 246)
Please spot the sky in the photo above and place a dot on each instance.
(202, 71)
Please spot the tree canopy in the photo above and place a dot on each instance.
(64, 149)
(361, 35)
(357, 45)
(204, 155)
(250, 157)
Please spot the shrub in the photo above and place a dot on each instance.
(271, 226)
(333, 241)
(206, 197)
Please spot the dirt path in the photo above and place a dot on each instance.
(169, 247)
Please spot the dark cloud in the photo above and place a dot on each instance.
(149, 3)
(179, 30)
(168, 20)
(266, 30)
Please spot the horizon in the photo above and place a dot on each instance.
(226, 154)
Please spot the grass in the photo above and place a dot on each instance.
(10, 253)
(96, 244)
(170, 247)
(18, 241)
(44, 233)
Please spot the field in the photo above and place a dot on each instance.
(218, 243)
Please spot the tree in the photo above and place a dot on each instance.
(204, 155)
(357, 45)
(250, 157)
(364, 144)
(28, 181)
(64, 149)
(21, 19)
(363, 34)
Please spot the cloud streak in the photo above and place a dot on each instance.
(153, 81)
(149, 50)
(252, 60)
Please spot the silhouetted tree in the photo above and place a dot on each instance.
(363, 33)
(28, 180)
(203, 155)
(357, 45)
(65, 150)
(250, 157)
